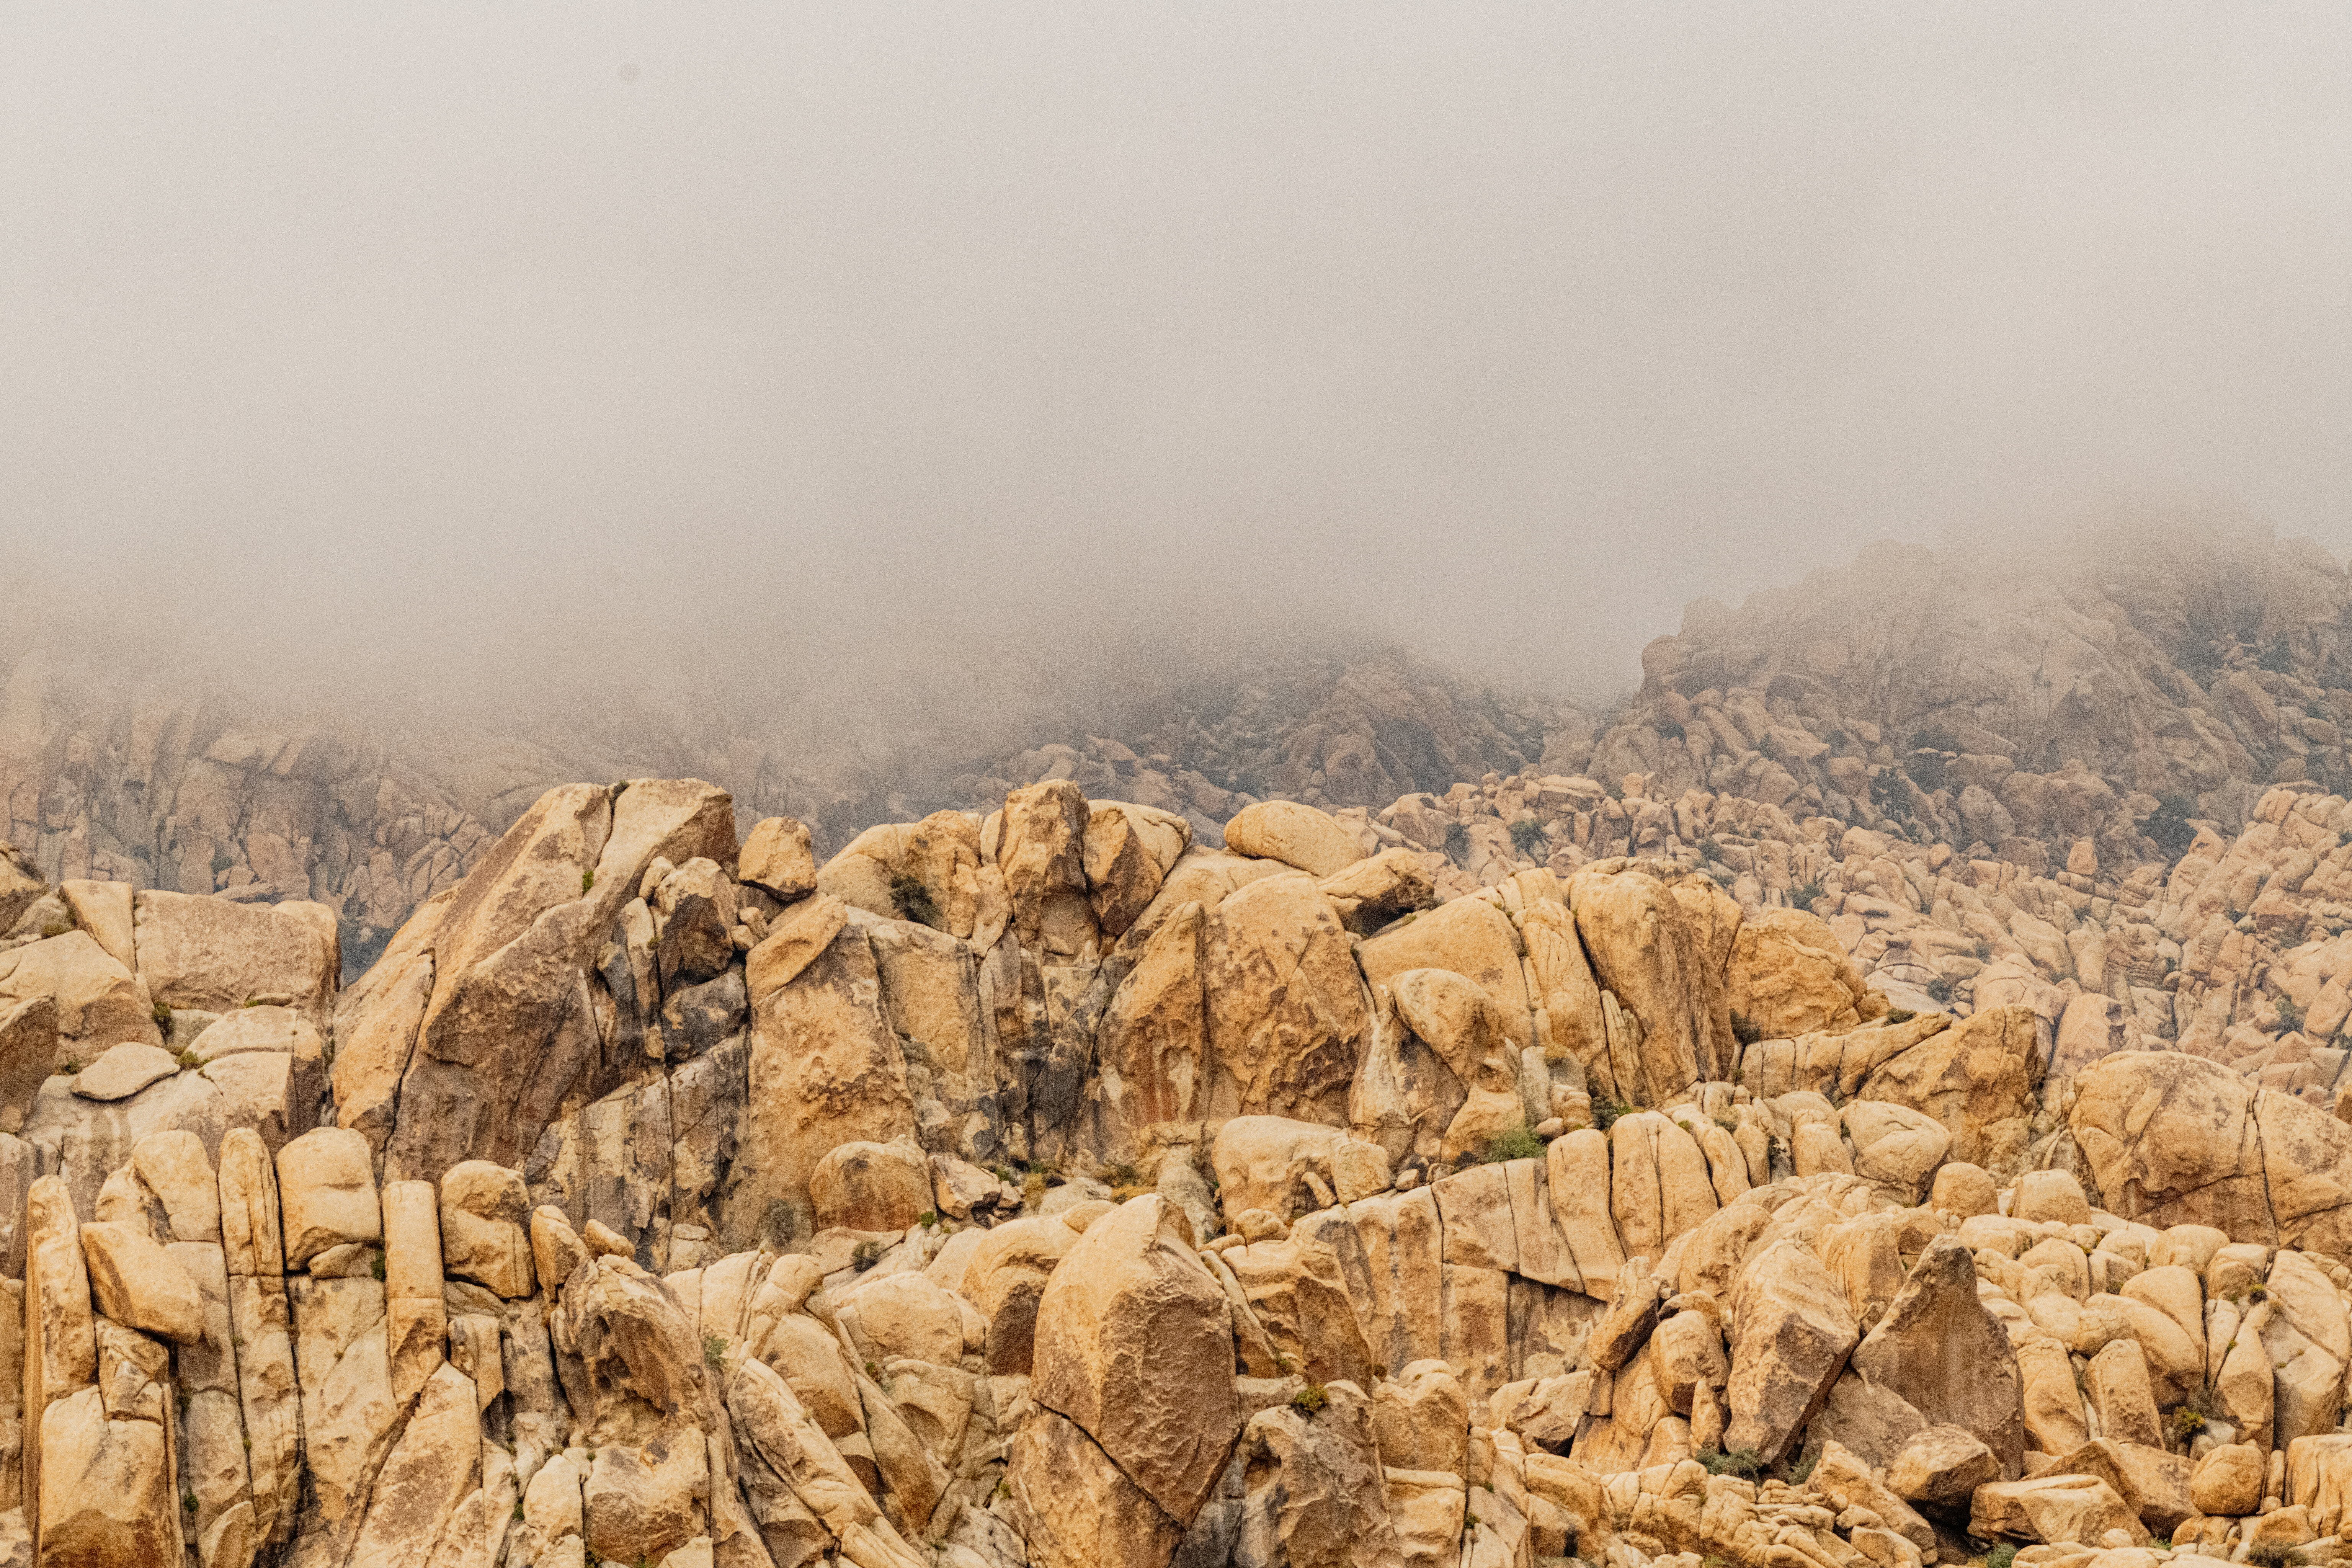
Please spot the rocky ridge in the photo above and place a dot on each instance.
(1044, 1187)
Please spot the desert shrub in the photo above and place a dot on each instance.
(1743, 1030)
(1731, 1462)
(1517, 1142)
(1309, 1399)
(1527, 835)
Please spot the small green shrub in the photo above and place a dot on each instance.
(1004, 1488)
(1514, 1142)
(1457, 840)
(930, 1219)
(1309, 1399)
(865, 1255)
(2186, 1424)
(714, 1352)
(1527, 835)
(1899, 1015)
(2290, 1016)
(2001, 1557)
(1741, 1462)
(1800, 1470)
(375, 1266)
(518, 1511)
(2270, 1554)
(1605, 1112)
(54, 927)
(188, 1501)
(1743, 1030)
(163, 1016)
(873, 1371)
(1805, 895)
(1940, 989)
(587, 881)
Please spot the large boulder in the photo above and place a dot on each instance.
(507, 1024)
(1976, 1078)
(825, 1067)
(1646, 951)
(870, 1186)
(1134, 1345)
(1791, 976)
(1792, 1330)
(1289, 1168)
(2172, 1139)
(216, 956)
(1297, 836)
(1942, 1351)
(1286, 1005)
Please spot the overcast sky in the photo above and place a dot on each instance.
(438, 337)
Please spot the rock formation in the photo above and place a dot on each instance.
(1780, 1153)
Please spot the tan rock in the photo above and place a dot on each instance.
(1371, 892)
(1847, 1483)
(1421, 1420)
(1152, 1046)
(135, 1282)
(1129, 851)
(1576, 1169)
(777, 856)
(1977, 1078)
(1941, 1466)
(1789, 975)
(484, 1211)
(123, 1071)
(1941, 1351)
(28, 1054)
(825, 1068)
(1792, 1330)
(1964, 1190)
(216, 956)
(326, 1194)
(1076, 1508)
(1286, 1006)
(556, 1248)
(1295, 834)
(436, 1462)
(639, 1500)
(2228, 1480)
(1288, 1168)
(1894, 1145)
(2117, 1385)
(870, 1186)
(105, 1496)
(97, 1003)
(2053, 1507)
(2171, 1139)
(1660, 1187)
(173, 1166)
(1134, 1344)
(1568, 995)
(1041, 852)
(1645, 952)
(2051, 1196)
(1468, 937)
(1316, 1488)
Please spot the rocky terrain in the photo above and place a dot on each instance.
(1874, 1095)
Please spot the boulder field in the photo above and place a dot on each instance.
(1044, 1186)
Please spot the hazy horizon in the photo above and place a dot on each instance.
(438, 349)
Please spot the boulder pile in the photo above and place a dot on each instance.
(1044, 1187)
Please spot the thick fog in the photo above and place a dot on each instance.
(432, 346)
